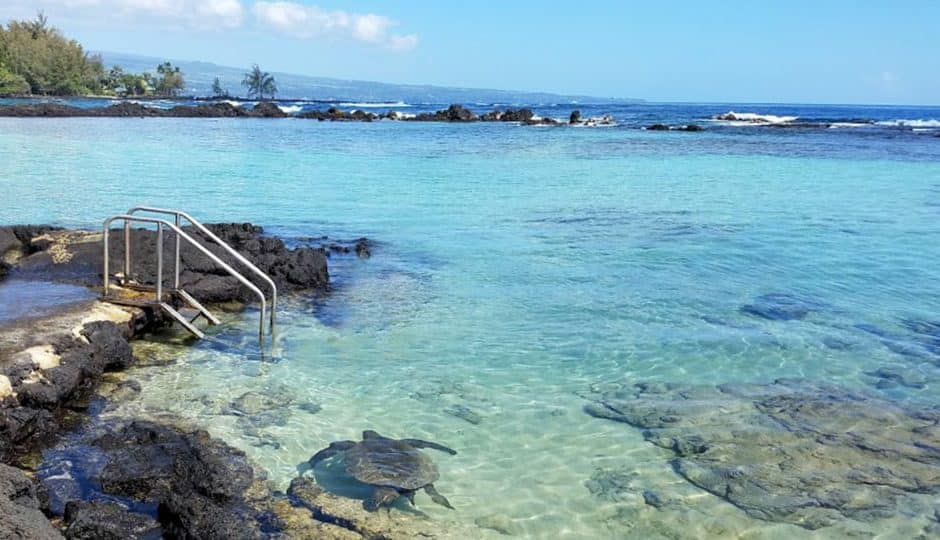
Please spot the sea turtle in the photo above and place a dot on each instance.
(394, 468)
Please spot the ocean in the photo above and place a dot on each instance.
(518, 269)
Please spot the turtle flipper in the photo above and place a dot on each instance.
(381, 496)
(418, 443)
(330, 451)
(437, 497)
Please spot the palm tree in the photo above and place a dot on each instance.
(259, 83)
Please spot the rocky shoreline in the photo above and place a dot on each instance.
(133, 477)
(454, 114)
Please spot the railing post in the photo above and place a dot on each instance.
(105, 231)
(176, 271)
(127, 252)
(159, 262)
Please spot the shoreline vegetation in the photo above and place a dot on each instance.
(36, 59)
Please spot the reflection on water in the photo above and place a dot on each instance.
(20, 298)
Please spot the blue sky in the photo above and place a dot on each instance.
(823, 51)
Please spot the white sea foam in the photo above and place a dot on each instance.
(598, 121)
(839, 125)
(736, 118)
(375, 105)
(921, 123)
(235, 103)
(290, 109)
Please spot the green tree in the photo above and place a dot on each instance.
(218, 90)
(169, 81)
(259, 83)
(12, 84)
(51, 64)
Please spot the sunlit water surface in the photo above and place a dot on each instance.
(514, 269)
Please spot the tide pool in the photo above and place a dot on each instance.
(517, 271)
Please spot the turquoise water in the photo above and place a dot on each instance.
(514, 269)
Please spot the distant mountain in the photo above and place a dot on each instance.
(199, 77)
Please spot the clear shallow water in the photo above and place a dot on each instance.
(20, 299)
(515, 269)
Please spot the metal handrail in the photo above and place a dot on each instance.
(212, 236)
(180, 234)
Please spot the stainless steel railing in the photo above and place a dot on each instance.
(178, 214)
(180, 234)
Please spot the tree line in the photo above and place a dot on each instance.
(37, 59)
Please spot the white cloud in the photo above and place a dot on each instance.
(290, 18)
(202, 14)
(309, 22)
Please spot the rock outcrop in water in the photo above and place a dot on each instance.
(453, 114)
(792, 451)
(76, 258)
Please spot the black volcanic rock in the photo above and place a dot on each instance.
(267, 109)
(212, 110)
(28, 110)
(20, 514)
(198, 484)
(101, 520)
(454, 113)
(575, 117)
(127, 109)
(297, 269)
(657, 127)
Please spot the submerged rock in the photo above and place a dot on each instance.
(791, 451)
(464, 413)
(613, 484)
(349, 514)
(781, 307)
(500, 523)
(889, 377)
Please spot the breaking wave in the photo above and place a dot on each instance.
(922, 123)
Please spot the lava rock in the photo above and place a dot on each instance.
(363, 248)
(781, 307)
(78, 261)
(267, 109)
(101, 520)
(199, 483)
(110, 344)
(575, 117)
(20, 514)
(793, 451)
(657, 127)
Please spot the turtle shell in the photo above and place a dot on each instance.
(387, 462)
